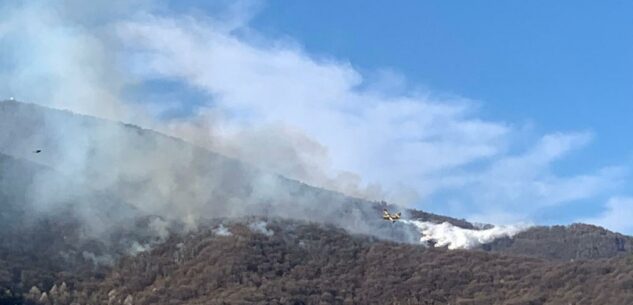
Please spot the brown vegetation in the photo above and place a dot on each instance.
(577, 241)
(310, 264)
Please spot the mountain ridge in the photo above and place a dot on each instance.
(30, 114)
(78, 214)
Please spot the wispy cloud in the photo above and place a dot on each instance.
(515, 187)
(617, 215)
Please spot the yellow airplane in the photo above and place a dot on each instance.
(391, 217)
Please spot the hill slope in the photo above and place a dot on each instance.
(298, 263)
(101, 191)
(577, 241)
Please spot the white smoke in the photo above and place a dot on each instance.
(98, 260)
(137, 248)
(265, 102)
(260, 227)
(453, 237)
(160, 227)
(221, 230)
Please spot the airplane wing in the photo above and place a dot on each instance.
(385, 215)
(391, 217)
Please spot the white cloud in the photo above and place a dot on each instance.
(514, 187)
(617, 215)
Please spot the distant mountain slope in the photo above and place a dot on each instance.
(577, 241)
(102, 190)
(160, 175)
(297, 263)
(258, 261)
(424, 216)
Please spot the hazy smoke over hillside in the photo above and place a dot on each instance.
(70, 57)
(271, 106)
(67, 57)
(110, 173)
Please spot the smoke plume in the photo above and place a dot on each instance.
(453, 237)
(260, 117)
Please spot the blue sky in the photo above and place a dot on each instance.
(564, 65)
(514, 111)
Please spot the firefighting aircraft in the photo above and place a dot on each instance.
(390, 217)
